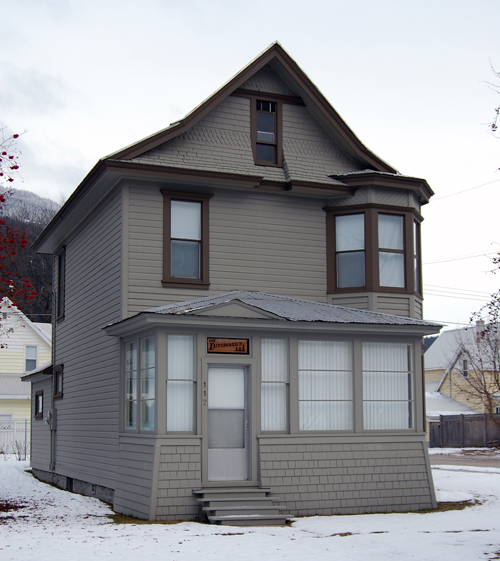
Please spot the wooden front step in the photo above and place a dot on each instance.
(241, 506)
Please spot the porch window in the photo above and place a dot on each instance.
(140, 373)
(274, 385)
(325, 385)
(180, 383)
(387, 386)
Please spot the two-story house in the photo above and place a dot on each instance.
(202, 346)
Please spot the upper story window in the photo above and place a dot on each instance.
(31, 357)
(350, 250)
(185, 261)
(373, 249)
(266, 132)
(391, 250)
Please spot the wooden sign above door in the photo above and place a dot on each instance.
(227, 346)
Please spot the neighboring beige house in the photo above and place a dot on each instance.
(449, 366)
(24, 346)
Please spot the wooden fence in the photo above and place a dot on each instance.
(462, 431)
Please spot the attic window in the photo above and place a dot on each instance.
(266, 135)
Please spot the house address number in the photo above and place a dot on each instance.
(229, 346)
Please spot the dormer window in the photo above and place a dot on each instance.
(266, 132)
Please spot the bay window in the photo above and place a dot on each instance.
(374, 249)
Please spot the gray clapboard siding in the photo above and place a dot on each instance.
(261, 241)
(40, 431)
(134, 477)
(336, 476)
(87, 442)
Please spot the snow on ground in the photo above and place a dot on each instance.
(56, 524)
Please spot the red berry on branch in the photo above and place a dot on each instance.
(15, 136)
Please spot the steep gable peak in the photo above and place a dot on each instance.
(273, 69)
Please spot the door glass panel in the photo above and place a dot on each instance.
(226, 388)
(226, 428)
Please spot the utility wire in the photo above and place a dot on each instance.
(464, 191)
(485, 253)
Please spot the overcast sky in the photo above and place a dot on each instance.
(85, 78)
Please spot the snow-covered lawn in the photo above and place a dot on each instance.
(55, 524)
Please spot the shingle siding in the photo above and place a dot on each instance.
(328, 477)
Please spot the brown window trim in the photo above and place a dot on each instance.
(204, 280)
(38, 412)
(371, 213)
(59, 369)
(279, 130)
(61, 286)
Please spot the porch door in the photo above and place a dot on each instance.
(227, 424)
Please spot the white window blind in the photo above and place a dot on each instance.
(325, 385)
(387, 386)
(180, 383)
(274, 386)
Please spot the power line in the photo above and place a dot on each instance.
(464, 191)
(486, 253)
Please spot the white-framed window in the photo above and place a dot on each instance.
(497, 409)
(140, 380)
(181, 384)
(31, 355)
(274, 385)
(325, 385)
(387, 386)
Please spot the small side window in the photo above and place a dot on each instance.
(465, 368)
(39, 405)
(58, 381)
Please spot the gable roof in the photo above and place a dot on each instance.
(43, 330)
(127, 162)
(292, 74)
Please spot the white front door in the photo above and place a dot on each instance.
(227, 424)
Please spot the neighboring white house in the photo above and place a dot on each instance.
(24, 346)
